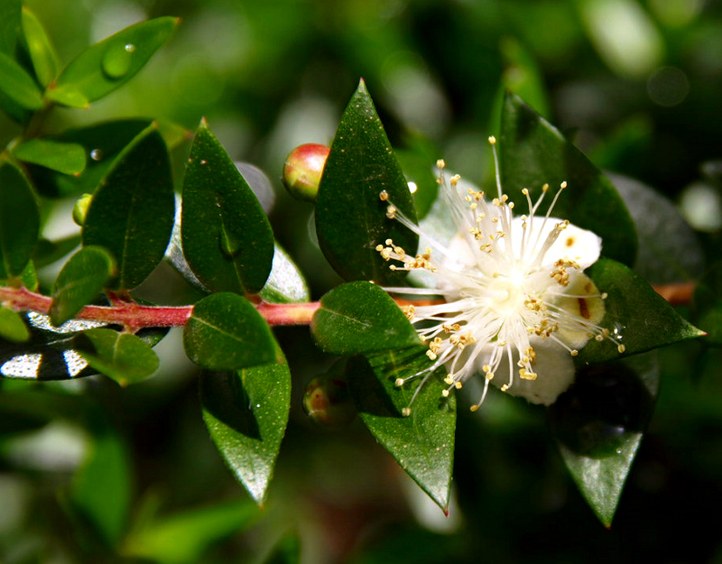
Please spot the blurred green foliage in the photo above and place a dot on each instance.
(636, 85)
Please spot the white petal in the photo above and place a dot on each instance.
(574, 243)
(555, 370)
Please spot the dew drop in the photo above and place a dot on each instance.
(96, 154)
(117, 60)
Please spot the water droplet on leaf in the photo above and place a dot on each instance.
(96, 154)
(117, 60)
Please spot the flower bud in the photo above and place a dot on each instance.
(80, 209)
(326, 400)
(303, 169)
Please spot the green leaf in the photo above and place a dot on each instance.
(123, 357)
(132, 213)
(227, 239)
(18, 85)
(350, 218)
(81, 279)
(19, 221)
(12, 326)
(532, 153)
(246, 413)
(185, 537)
(109, 64)
(599, 423)
(102, 144)
(67, 158)
(417, 160)
(285, 284)
(101, 489)
(423, 442)
(42, 54)
(360, 317)
(9, 25)
(635, 315)
(225, 332)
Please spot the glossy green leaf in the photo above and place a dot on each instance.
(359, 317)
(42, 54)
(123, 357)
(9, 25)
(417, 159)
(350, 218)
(185, 537)
(67, 158)
(107, 65)
(225, 332)
(12, 326)
(423, 442)
(285, 284)
(532, 153)
(18, 85)
(246, 413)
(19, 221)
(101, 488)
(636, 315)
(102, 143)
(599, 423)
(227, 239)
(133, 211)
(81, 279)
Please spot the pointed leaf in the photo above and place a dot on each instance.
(360, 317)
(532, 153)
(18, 85)
(246, 413)
(225, 332)
(599, 423)
(423, 442)
(109, 64)
(132, 213)
(350, 218)
(227, 239)
(12, 326)
(19, 221)
(121, 356)
(42, 54)
(81, 279)
(636, 315)
(67, 158)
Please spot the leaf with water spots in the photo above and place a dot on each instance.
(107, 65)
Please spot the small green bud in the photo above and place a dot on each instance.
(80, 209)
(326, 400)
(303, 169)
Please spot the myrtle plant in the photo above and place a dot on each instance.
(528, 285)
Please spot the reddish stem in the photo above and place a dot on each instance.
(134, 316)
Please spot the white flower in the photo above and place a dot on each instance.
(516, 305)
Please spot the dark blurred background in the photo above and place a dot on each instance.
(636, 84)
